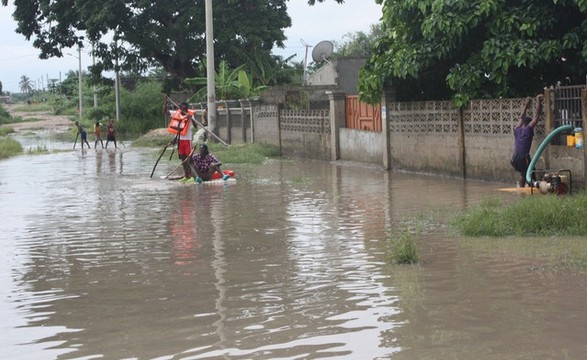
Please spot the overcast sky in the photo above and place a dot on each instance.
(310, 24)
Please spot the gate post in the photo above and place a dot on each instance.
(337, 120)
(584, 118)
(548, 109)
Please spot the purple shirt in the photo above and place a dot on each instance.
(203, 163)
(523, 140)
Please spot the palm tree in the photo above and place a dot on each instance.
(26, 85)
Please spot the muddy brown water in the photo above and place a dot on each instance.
(287, 262)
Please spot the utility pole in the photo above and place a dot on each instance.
(116, 82)
(305, 60)
(94, 86)
(79, 53)
(210, 73)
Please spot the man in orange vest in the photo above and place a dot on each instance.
(180, 124)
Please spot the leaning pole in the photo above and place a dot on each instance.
(210, 71)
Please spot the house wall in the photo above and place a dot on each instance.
(343, 73)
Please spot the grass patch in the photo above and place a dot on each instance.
(549, 230)
(546, 215)
(403, 249)
(233, 154)
(15, 120)
(6, 130)
(153, 139)
(4, 115)
(35, 107)
(243, 153)
(38, 150)
(298, 180)
(6, 118)
(9, 147)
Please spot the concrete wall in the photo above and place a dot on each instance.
(266, 124)
(488, 157)
(359, 145)
(430, 137)
(429, 153)
(308, 145)
(303, 133)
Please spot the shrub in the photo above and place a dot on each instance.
(6, 130)
(9, 147)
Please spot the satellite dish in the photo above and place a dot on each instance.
(322, 50)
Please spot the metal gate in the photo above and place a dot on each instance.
(567, 109)
(362, 116)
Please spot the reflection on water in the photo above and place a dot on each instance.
(98, 259)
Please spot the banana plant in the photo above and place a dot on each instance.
(248, 90)
(226, 83)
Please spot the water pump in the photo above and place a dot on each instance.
(553, 183)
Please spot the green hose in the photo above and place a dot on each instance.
(541, 149)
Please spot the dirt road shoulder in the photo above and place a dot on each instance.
(43, 120)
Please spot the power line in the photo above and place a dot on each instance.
(17, 57)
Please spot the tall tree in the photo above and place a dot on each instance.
(481, 48)
(25, 84)
(358, 43)
(139, 33)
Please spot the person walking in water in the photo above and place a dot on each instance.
(98, 134)
(523, 136)
(111, 134)
(84, 135)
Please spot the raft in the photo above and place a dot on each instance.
(216, 178)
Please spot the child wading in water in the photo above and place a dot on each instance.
(98, 133)
(111, 134)
(84, 135)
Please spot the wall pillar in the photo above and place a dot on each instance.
(461, 142)
(388, 97)
(337, 120)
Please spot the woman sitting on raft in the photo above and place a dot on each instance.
(206, 165)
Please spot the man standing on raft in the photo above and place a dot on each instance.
(180, 124)
(523, 135)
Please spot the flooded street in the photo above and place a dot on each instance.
(287, 262)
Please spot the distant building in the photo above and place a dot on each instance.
(5, 100)
(342, 73)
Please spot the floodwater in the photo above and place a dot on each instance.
(98, 260)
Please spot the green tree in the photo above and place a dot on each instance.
(25, 84)
(358, 44)
(485, 48)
